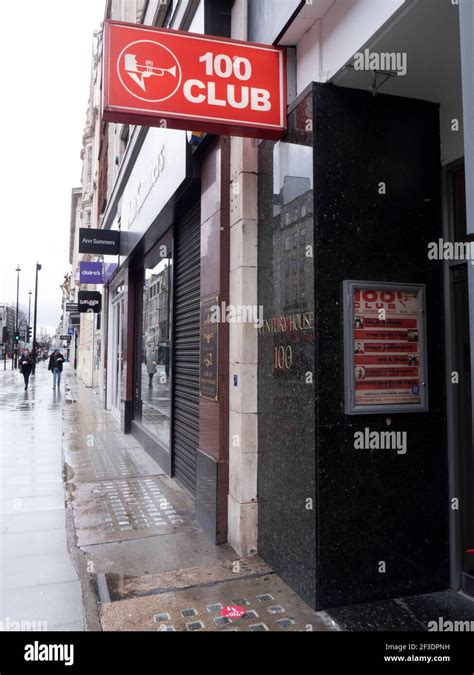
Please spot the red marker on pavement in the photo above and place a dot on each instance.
(233, 611)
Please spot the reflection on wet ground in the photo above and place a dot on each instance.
(39, 584)
(151, 566)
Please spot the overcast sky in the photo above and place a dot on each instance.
(45, 57)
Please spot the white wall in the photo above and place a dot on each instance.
(333, 40)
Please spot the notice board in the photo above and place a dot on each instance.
(385, 347)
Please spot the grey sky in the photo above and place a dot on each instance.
(45, 57)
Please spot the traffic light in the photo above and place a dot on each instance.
(17, 337)
(29, 334)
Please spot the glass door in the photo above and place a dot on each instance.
(116, 356)
(153, 344)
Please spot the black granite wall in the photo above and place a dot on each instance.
(370, 506)
(286, 401)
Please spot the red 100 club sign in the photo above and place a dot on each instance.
(161, 77)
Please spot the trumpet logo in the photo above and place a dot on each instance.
(149, 71)
(139, 73)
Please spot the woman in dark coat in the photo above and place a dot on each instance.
(26, 364)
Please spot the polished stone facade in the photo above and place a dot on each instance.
(378, 526)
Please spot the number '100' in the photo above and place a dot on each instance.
(283, 357)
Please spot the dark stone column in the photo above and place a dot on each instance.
(370, 506)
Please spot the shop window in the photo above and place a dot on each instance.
(153, 386)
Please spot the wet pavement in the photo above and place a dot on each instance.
(39, 585)
(141, 550)
(94, 536)
(408, 613)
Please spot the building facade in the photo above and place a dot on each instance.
(326, 233)
(7, 328)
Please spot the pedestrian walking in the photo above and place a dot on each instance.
(26, 365)
(56, 366)
(151, 368)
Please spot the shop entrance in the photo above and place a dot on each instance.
(153, 376)
(116, 350)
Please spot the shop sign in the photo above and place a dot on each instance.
(100, 242)
(89, 301)
(208, 371)
(90, 272)
(108, 270)
(159, 170)
(161, 77)
(385, 348)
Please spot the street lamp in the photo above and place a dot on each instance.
(38, 267)
(17, 337)
(29, 313)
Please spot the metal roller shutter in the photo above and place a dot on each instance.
(186, 349)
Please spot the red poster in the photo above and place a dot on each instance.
(162, 77)
(386, 336)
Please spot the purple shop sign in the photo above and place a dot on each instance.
(91, 273)
(109, 269)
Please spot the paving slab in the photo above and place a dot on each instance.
(31, 522)
(116, 510)
(56, 604)
(154, 554)
(33, 489)
(33, 543)
(269, 604)
(32, 504)
(34, 570)
(121, 586)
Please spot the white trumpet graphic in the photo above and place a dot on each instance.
(139, 73)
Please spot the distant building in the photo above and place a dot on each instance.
(7, 327)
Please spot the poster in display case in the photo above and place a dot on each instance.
(385, 347)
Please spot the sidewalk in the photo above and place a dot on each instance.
(119, 549)
(150, 565)
(39, 586)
